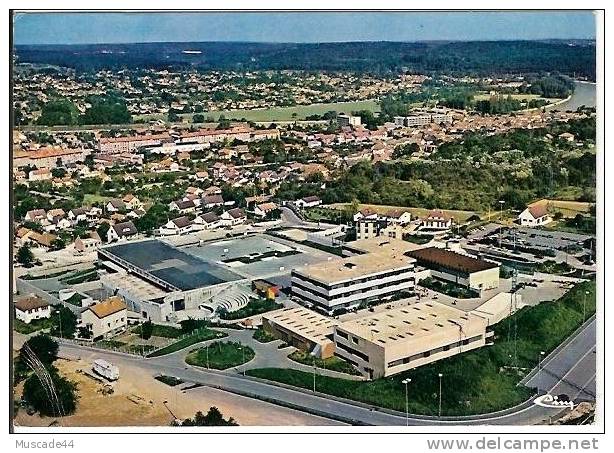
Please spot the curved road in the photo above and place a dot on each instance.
(318, 404)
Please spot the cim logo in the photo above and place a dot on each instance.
(556, 402)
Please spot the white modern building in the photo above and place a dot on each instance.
(348, 282)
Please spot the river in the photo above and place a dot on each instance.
(584, 94)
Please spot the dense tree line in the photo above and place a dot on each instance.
(485, 57)
(473, 173)
(103, 110)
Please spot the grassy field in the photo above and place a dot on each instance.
(161, 331)
(479, 381)
(520, 97)
(280, 113)
(332, 363)
(221, 355)
(459, 216)
(91, 198)
(33, 326)
(569, 208)
(203, 334)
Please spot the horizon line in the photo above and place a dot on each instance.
(307, 42)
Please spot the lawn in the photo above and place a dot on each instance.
(253, 308)
(161, 331)
(33, 326)
(475, 382)
(90, 198)
(281, 113)
(221, 355)
(86, 275)
(263, 336)
(202, 334)
(75, 299)
(332, 363)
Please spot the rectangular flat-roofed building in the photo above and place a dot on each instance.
(303, 329)
(347, 282)
(407, 337)
(461, 269)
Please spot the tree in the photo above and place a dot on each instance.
(102, 230)
(25, 255)
(58, 172)
(65, 323)
(213, 418)
(146, 330)
(42, 398)
(198, 118)
(58, 112)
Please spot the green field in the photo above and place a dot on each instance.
(332, 363)
(459, 216)
(279, 113)
(221, 355)
(475, 382)
(203, 334)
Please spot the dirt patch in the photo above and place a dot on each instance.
(138, 400)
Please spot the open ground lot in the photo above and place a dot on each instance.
(138, 400)
(299, 112)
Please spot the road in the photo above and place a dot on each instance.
(571, 368)
(306, 401)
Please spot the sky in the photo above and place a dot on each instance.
(99, 28)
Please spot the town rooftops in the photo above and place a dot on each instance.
(450, 260)
(438, 214)
(236, 213)
(343, 269)
(125, 229)
(210, 217)
(182, 222)
(212, 199)
(108, 307)
(406, 323)
(307, 323)
(30, 303)
(311, 199)
(538, 210)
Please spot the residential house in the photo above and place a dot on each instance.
(178, 226)
(132, 202)
(36, 215)
(308, 202)
(437, 220)
(121, 231)
(115, 205)
(182, 206)
(264, 209)
(84, 245)
(207, 221)
(105, 318)
(535, 215)
(30, 308)
(233, 217)
(211, 201)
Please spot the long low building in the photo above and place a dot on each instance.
(349, 282)
(460, 269)
(304, 329)
(403, 338)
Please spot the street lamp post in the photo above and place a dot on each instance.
(440, 376)
(539, 381)
(586, 293)
(314, 374)
(406, 382)
(207, 349)
(501, 202)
